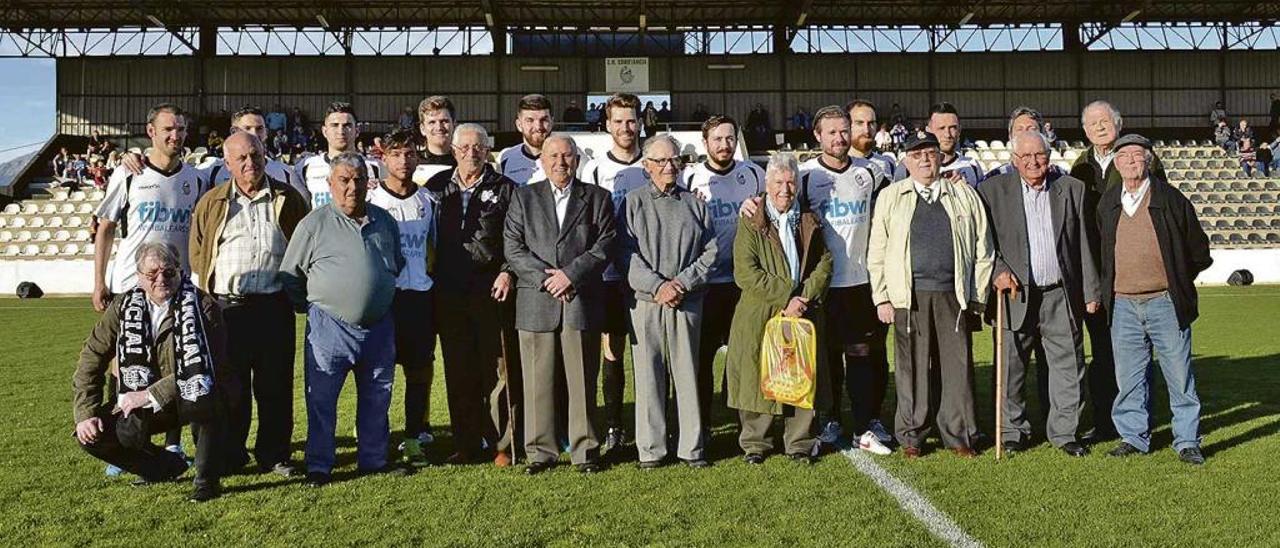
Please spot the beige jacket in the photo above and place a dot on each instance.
(889, 253)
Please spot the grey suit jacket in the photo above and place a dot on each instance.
(581, 248)
(1003, 197)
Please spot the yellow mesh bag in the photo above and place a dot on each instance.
(788, 361)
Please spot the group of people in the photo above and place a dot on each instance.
(94, 166)
(540, 271)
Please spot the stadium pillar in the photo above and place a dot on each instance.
(349, 64)
(781, 47)
(208, 47)
(498, 35)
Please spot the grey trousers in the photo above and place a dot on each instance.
(540, 355)
(666, 347)
(933, 326)
(1056, 339)
(797, 431)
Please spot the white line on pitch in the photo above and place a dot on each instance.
(935, 520)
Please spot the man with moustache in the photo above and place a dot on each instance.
(618, 171)
(559, 236)
(862, 135)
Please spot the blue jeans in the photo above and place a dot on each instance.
(334, 347)
(1136, 328)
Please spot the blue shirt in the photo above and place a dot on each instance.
(786, 225)
(1040, 235)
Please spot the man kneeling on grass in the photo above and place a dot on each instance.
(167, 339)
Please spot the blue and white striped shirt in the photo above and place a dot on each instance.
(1040, 235)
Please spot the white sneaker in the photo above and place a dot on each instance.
(878, 429)
(830, 433)
(870, 443)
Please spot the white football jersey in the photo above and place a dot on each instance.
(215, 171)
(415, 215)
(155, 206)
(842, 198)
(618, 178)
(314, 173)
(724, 192)
(518, 165)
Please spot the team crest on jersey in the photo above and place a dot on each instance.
(862, 178)
(186, 188)
(742, 179)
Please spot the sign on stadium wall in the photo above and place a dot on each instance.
(626, 74)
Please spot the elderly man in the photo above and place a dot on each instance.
(783, 266)
(168, 343)
(340, 270)
(414, 209)
(1044, 259)
(473, 302)
(1102, 124)
(930, 260)
(1152, 250)
(669, 247)
(559, 236)
(238, 236)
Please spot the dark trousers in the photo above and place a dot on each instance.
(865, 379)
(261, 338)
(126, 443)
(414, 315)
(933, 326)
(797, 431)
(717, 316)
(471, 339)
(1101, 373)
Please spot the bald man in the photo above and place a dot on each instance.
(239, 232)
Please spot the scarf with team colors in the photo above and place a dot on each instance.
(137, 355)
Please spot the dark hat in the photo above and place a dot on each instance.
(1132, 139)
(914, 141)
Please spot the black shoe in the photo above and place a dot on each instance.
(535, 468)
(753, 458)
(802, 458)
(1124, 450)
(1191, 455)
(284, 468)
(205, 492)
(697, 463)
(1012, 447)
(588, 468)
(1074, 449)
(389, 469)
(614, 439)
(649, 464)
(318, 479)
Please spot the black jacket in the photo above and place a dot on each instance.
(1183, 245)
(469, 249)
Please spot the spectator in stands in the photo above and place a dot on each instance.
(436, 120)
(783, 266)
(801, 120)
(280, 141)
(759, 129)
(1242, 132)
(376, 150)
(78, 170)
(930, 258)
(1275, 153)
(297, 119)
(898, 116)
(100, 174)
(1050, 134)
(1222, 137)
(406, 121)
(573, 116)
(1248, 157)
(919, 132)
(664, 114)
(1152, 250)
(300, 139)
(900, 134)
(277, 120)
(239, 232)
(1218, 114)
(158, 387)
(99, 144)
(1265, 157)
(649, 117)
(883, 139)
(1275, 112)
(340, 270)
(700, 114)
(593, 117)
(214, 143)
(61, 162)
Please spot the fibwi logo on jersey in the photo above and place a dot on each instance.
(413, 244)
(723, 208)
(835, 208)
(162, 217)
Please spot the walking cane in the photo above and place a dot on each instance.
(999, 373)
(511, 409)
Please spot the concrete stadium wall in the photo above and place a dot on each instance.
(69, 277)
(1152, 88)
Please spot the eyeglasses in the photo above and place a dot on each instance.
(474, 149)
(1039, 156)
(156, 274)
(673, 161)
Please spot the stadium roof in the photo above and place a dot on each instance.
(73, 14)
